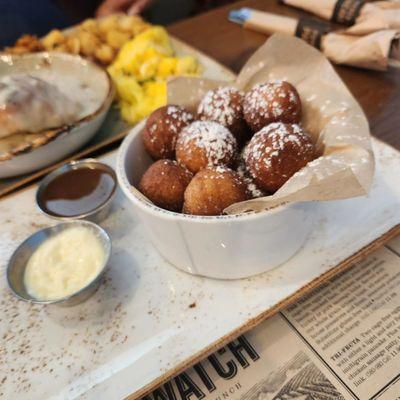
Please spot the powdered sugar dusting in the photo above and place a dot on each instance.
(177, 117)
(223, 105)
(222, 172)
(221, 169)
(279, 135)
(162, 129)
(265, 154)
(270, 102)
(245, 175)
(217, 142)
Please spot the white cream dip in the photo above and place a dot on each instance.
(64, 264)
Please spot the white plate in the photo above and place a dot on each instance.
(73, 138)
(36, 151)
(149, 320)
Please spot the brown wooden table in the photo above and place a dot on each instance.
(230, 44)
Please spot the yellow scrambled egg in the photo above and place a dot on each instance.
(140, 71)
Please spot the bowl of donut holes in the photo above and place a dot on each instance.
(227, 177)
(181, 169)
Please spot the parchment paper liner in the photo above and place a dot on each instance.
(330, 114)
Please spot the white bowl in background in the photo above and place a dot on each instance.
(224, 247)
(34, 152)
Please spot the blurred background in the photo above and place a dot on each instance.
(18, 17)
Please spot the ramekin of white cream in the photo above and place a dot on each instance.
(62, 264)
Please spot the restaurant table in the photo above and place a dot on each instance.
(230, 44)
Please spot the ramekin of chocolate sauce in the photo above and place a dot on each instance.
(78, 190)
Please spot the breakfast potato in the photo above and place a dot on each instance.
(126, 23)
(138, 25)
(52, 39)
(98, 39)
(117, 39)
(89, 25)
(73, 45)
(26, 44)
(107, 24)
(62, 48)
(105, 54)
(89, 43)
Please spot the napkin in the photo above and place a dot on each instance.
(374, 51)
(362, 17)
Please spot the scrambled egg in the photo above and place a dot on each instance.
(140, 71)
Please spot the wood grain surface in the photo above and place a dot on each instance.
(230, 44)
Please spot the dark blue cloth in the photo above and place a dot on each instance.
(36, 17)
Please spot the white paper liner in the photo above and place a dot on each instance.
(330, 114)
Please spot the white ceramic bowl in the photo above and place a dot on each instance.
(38, 151)
(225, 247)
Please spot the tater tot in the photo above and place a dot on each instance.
(52, 39)
(62, 48)
(89, 43)
(107, 24)
(73, 45)
(89, 25)
(116, 39)
(137, 25)
(125, 23)
(139, 28)
(104, 53)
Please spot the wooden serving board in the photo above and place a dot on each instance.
(149, 321)
(114, 129)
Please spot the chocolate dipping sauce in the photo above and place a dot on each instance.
(77, 191)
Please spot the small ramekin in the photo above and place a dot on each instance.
(97, 214)
(18, 261)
